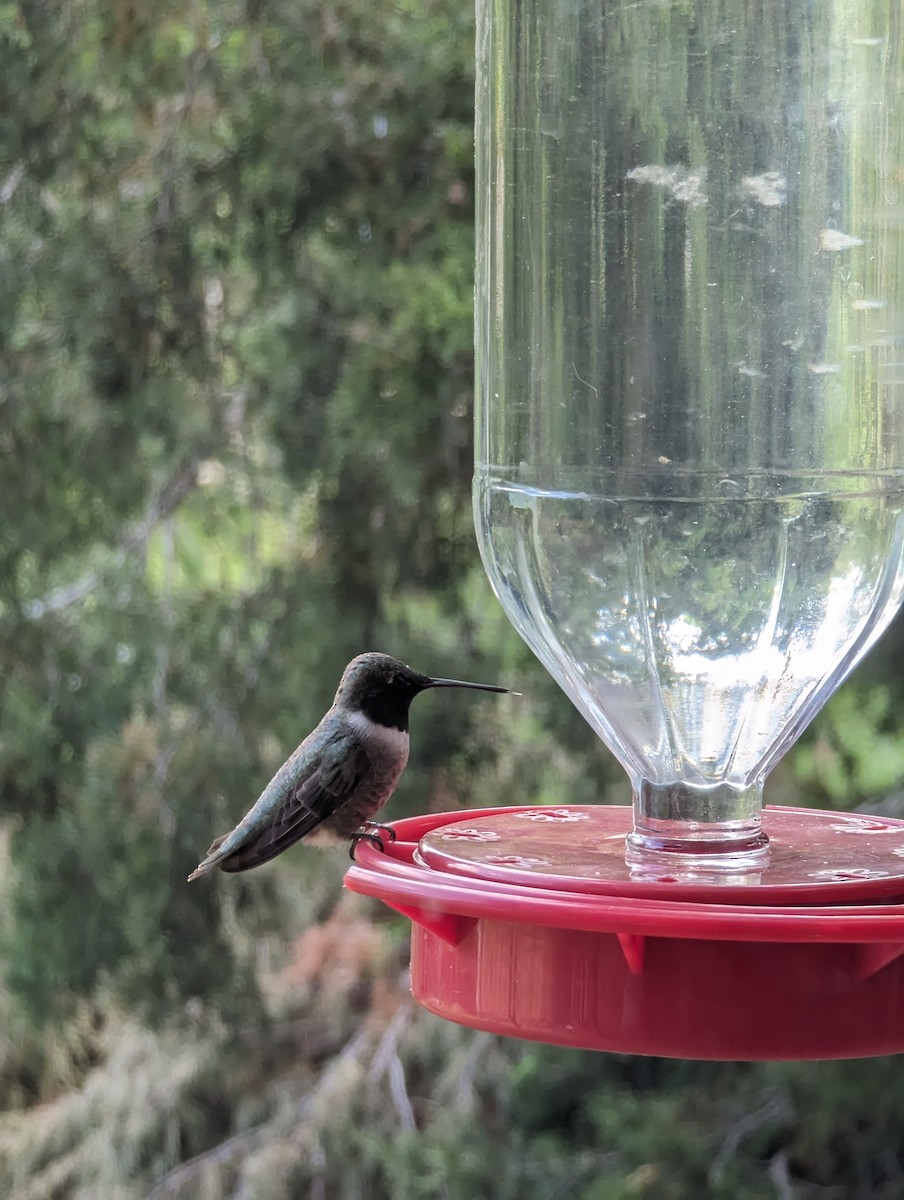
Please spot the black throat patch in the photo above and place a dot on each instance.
(388, 705)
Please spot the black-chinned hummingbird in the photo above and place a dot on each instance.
(341, 775)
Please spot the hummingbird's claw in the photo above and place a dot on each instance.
(387, 830)
(363, 836)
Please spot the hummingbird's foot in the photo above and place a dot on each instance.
(387, 830)
(363, 836)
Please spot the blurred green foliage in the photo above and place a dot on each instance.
(235, 449)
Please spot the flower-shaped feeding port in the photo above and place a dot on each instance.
(689, 499)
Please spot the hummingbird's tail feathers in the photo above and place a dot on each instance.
(210, 859)
(253, 855)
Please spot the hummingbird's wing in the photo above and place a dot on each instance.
(299, 804)
(305, 807)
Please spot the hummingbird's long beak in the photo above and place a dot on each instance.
(478, 687)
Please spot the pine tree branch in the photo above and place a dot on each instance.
(133, 539)
(777, 1107)
(780, 1175)
(386, 1061)
(317, 1101)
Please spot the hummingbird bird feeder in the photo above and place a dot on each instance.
(689, 499)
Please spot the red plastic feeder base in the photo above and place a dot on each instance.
(526, 922)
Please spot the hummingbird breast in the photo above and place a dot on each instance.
(386, 753)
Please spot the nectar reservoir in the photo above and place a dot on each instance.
(689, 487)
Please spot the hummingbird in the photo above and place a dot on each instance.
(341, 775)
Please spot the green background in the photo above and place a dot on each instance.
(236, 263)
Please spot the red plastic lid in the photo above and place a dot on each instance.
(814, 857)
(396, 876)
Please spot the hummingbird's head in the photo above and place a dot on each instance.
(382, 688)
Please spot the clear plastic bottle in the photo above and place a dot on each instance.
(689, 486)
